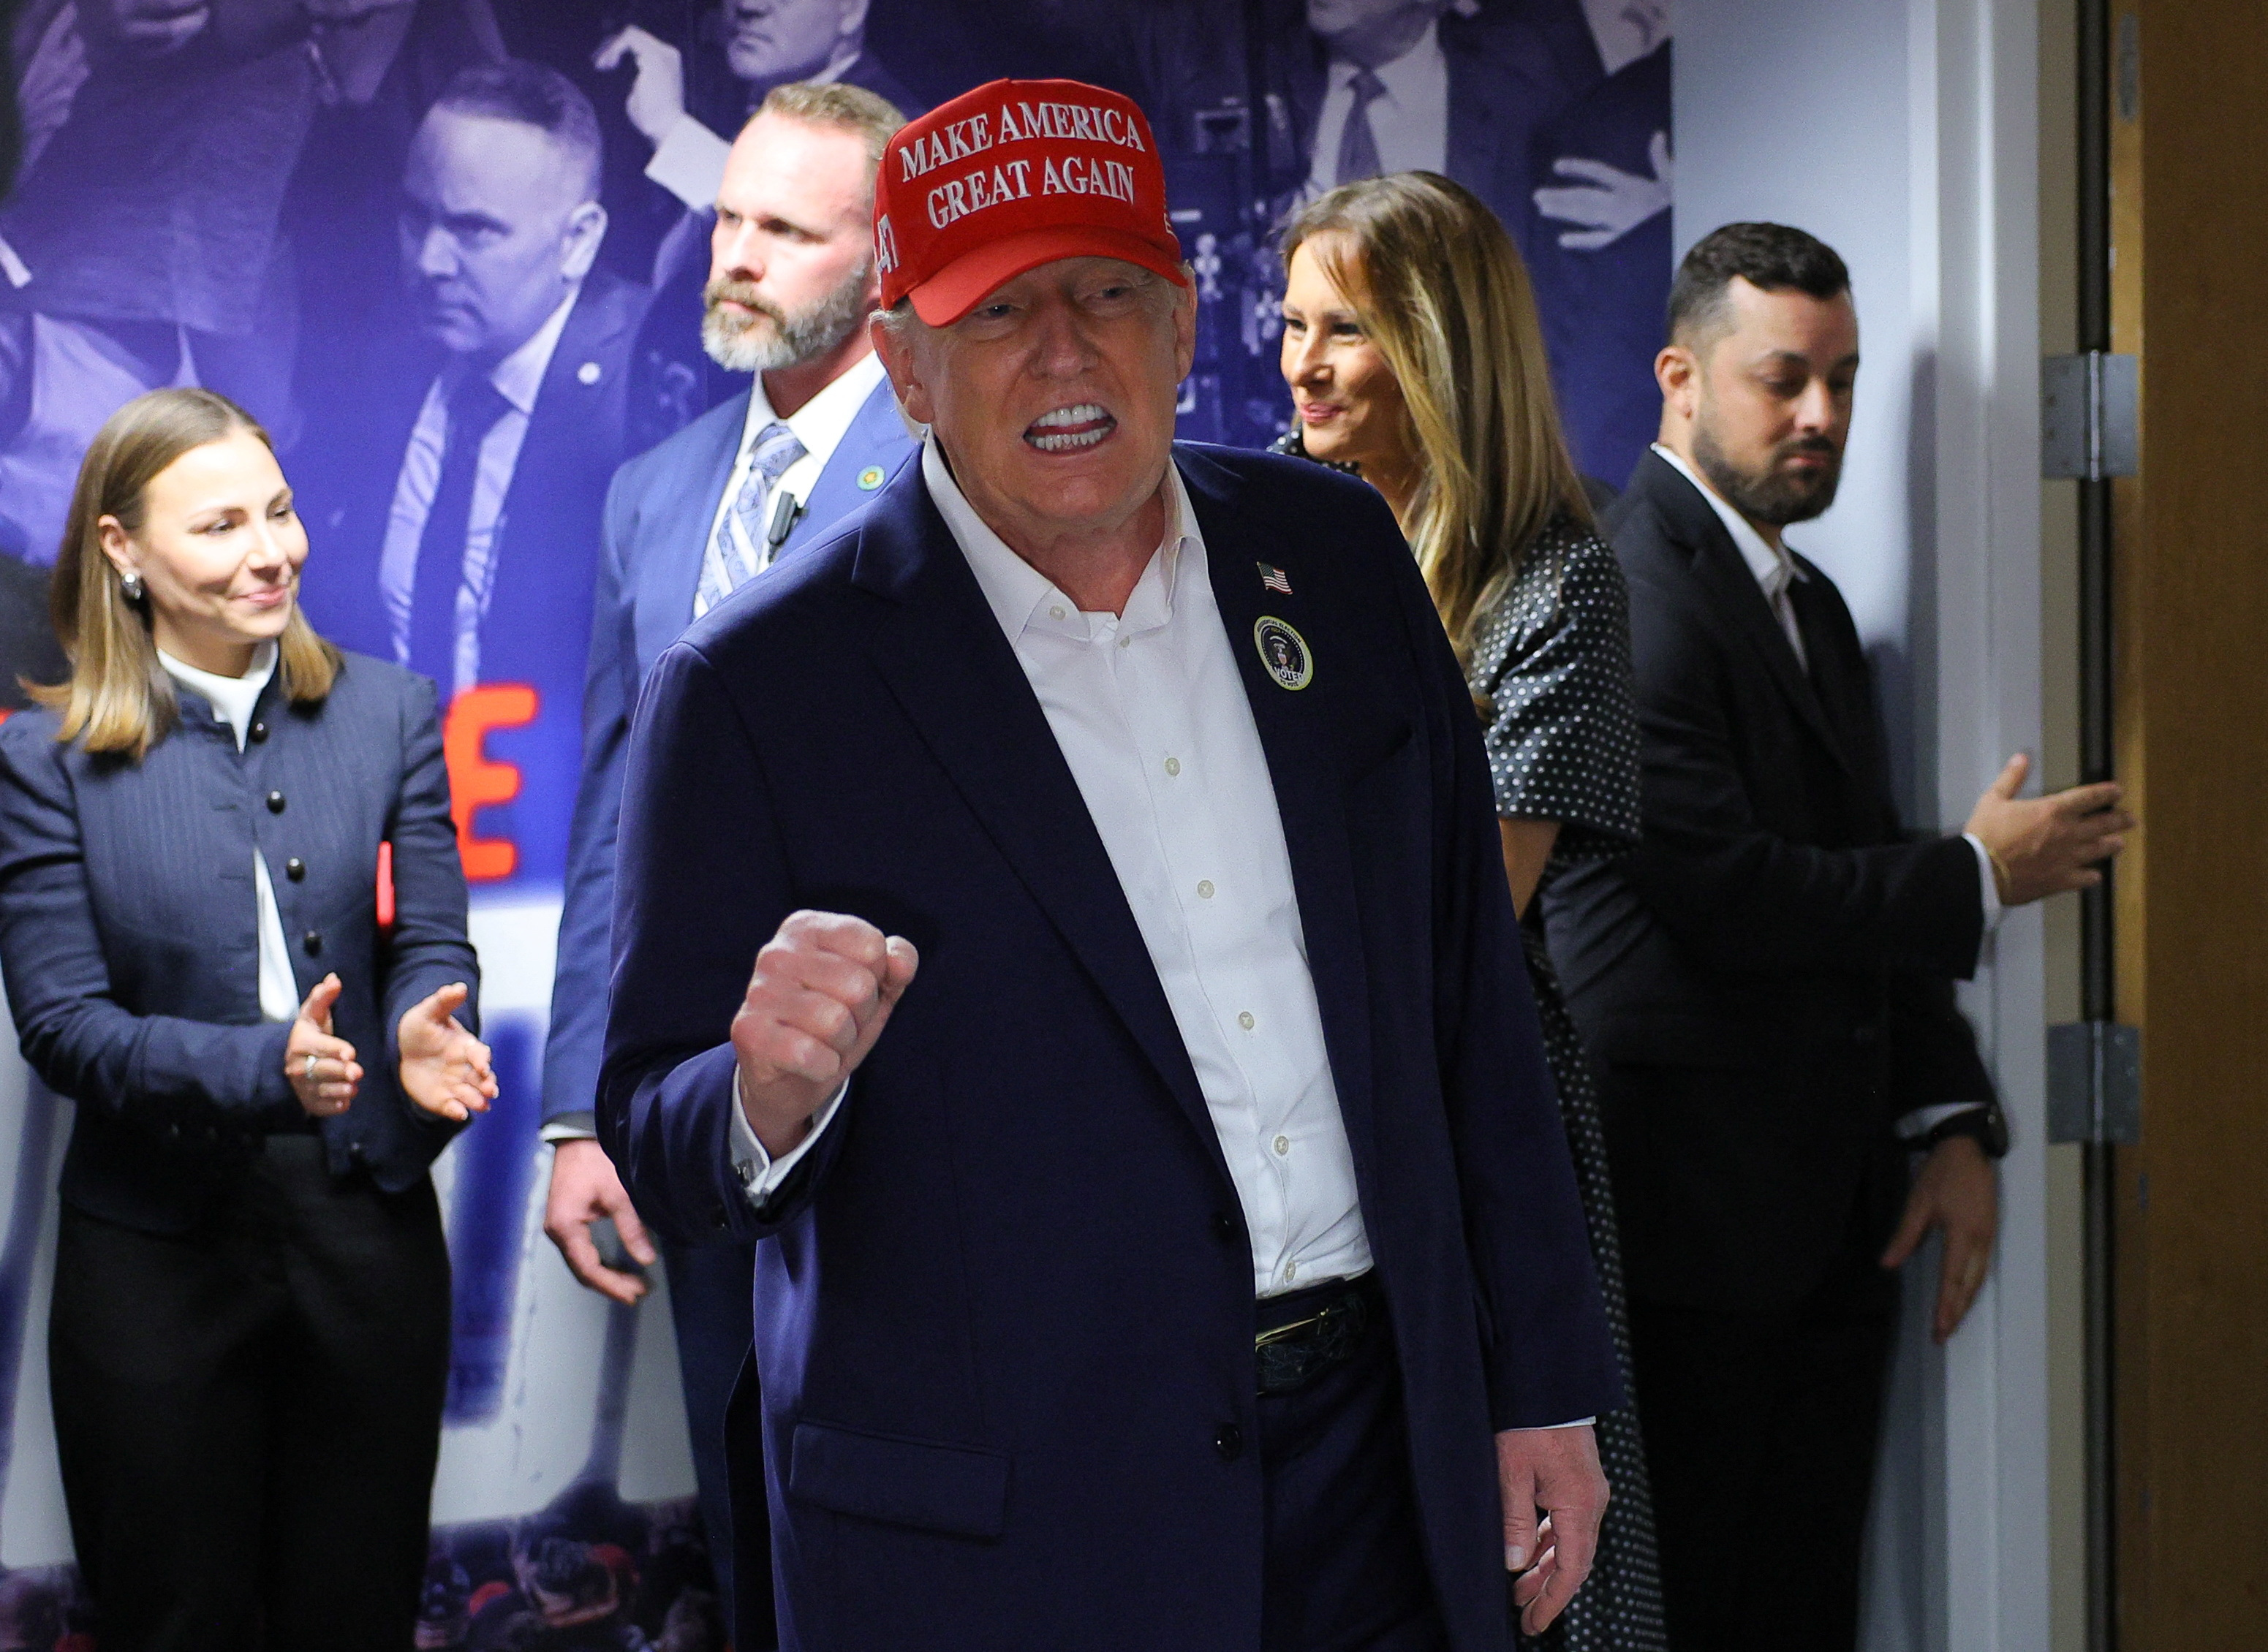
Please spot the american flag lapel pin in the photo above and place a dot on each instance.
(1274, 579)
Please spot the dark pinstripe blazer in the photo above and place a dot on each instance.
(129, 943)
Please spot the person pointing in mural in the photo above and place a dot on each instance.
(1117, 1024)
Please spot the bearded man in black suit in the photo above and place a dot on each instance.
(1766, 985)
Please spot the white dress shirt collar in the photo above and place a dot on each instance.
(1409, 119)
(1773, 568)
(518, 377)
(1412, 80)
(1022, 598)
(232, 698)
(822, 422)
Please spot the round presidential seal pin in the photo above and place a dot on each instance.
(1283, 651)
(870, 478)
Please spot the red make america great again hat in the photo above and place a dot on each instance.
(1013, 175)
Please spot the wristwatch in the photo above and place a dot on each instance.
(1986, 1125)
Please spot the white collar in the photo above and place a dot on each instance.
(1023, 598)
(518, 377)
(1413, 77)
(232, 697)
(1773, 568)
(822, 422)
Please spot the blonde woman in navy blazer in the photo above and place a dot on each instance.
(249, 1340)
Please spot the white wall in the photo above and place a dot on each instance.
(1904, 132)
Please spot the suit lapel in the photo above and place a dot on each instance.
(1308, 769)
(569, 417)
(1721, 571)
(680, 513)
(940, 650)
(876, 441)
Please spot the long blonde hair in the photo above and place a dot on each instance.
(1440, 291)
(118, 696)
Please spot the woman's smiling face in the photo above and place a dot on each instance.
(1349, 403)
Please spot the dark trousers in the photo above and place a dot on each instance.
(1761, 1430)
(247, 1416)
(1343, 1569)
(710, 1299)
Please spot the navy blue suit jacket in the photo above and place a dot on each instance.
(546, 556)
(1005, 1317)
(128, 933)
(660, 511)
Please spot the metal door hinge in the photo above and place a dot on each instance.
(2095, 1082)
(2090, 415)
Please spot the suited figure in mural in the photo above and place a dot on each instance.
(165, 218)
(470, 555)
(812, 436)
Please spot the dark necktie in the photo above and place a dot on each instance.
(1357, 144)
(475, 406)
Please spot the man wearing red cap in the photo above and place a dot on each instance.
(1172, 1242)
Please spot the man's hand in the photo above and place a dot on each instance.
(2047, 846)
(445, 1070)
(1957, 1192)
(584, 1189)
(822, 991)
(656, 100)
(1609, 202)
(1556, 1470)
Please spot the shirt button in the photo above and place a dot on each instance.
(1057, 612)
(1247, 1020)
(1126, 641)
(1229, 1442)
(1291, 1271)
(258, 731)
(1205, 889)
(296, 870)
(275, 803)
(1282, 1144)
(1173, 766)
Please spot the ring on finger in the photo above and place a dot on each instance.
(310, 1067)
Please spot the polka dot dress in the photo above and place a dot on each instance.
(1552, 662)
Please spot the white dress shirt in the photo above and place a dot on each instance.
(1151, 715)
(231, 699)
(1410, 120)
(1775, 571)
(819, 424)
(518, 379)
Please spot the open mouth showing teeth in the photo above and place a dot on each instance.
(1068, 429)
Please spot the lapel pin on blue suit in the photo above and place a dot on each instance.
(870, 479)
(1274, 579)
(1284, 652)
(587, 373)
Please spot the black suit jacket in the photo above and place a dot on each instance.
(1767, 983)
(546, 557)
(129, 941)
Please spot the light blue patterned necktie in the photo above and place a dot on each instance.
(738, 551)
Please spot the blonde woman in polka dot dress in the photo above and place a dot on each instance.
(1414, 357)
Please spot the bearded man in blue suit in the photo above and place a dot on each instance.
(1098, 995)
(815, 436)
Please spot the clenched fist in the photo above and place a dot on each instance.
(822, 990)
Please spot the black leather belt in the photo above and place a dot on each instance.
(1303, 1333)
